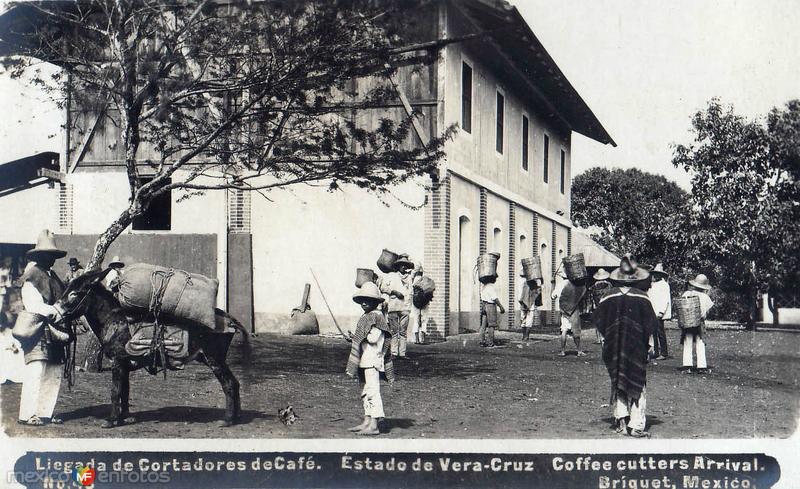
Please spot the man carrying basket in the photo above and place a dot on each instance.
(692, 332)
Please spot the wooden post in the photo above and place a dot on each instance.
(304, 302)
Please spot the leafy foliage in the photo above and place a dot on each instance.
(631, 211)
(250, 96)
(745, 212)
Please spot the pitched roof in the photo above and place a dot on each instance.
(520, 47)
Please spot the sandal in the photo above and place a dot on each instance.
(639, 434)
(621, 426)
(581, 354)
(32, 421)
(55, 420)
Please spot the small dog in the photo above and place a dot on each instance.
(288, 416)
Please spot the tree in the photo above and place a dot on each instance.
(632, 211)
(745, 211)
(251, 96)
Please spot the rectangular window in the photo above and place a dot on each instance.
(158, 215)
(466, 97)
(524, 143)
(546, 158)
(501, 102)
(563, 169)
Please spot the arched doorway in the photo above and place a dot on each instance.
(467, 249)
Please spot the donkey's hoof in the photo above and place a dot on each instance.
(226, 423)
(109, 423)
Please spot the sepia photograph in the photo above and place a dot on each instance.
(410, 220)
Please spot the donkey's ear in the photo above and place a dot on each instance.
(99, 276)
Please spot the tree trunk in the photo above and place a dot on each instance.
(93, 355)
(104, 240)
(751, 296)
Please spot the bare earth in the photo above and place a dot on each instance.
(449, 390)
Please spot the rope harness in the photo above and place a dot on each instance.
(159, 281)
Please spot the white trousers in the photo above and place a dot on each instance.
(624, 408)
(691, 342)
(40, 387)
(371, 394)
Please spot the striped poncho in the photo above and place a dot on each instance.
(626, 320)
(365, 323)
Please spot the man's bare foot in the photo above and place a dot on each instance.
(581, 353)
(371, 428)
(362, 426)
(562, 354)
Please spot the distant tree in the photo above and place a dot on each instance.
(745, 206)
(631, 211)
(231, 95)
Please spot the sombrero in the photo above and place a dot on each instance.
(368, 291)
(660, 270)
(116, 261)
(701, 282)
(629, 271)
(73, 261)
(601, 275)
(45, 245)
(403, 261)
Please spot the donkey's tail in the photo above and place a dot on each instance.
(246, 348)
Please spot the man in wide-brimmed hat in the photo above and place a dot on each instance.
(44, 354)
(397, 286)
(693, 338)
(661, 298)
(626, 320)
(75, 270)
(370, 358)
(596, 292)
(112, 277)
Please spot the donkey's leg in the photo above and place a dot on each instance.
(116, 397)
(215, 347)
(125, 395)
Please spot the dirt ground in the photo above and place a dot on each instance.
(449, 390)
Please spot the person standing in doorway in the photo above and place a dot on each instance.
(41, 288)
(693, 338)
(661, 298)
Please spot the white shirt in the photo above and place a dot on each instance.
(110, 277)
(489, 293)
(33, 301)
(661, 299)
(372, 350)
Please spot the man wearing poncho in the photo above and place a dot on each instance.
(626, 320)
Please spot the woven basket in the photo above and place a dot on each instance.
(532, 268)
(575, 267)
(364, 275)
(386, 261)
(487, 266)
(688, 312)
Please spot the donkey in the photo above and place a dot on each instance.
(86, 296)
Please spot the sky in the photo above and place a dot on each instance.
(643, 66)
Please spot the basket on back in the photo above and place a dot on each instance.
(423, 292)
(688, 311)
(575, 267)
(532, 268)
(386, 261)
(487, 266)
(364, 275)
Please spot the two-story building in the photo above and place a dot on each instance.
(504, 186)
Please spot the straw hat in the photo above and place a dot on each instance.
(701, 282)
(659, 269)
(368, 291)
(403, 261)
(629, 271)
(45, 245)
(73, 261)
(601, 275)
(116, 261)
